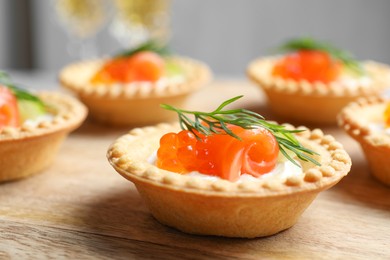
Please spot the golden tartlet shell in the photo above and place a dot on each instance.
(317, 103)
(29, 149)
(135, 103)
(222, 208)
(355, 120)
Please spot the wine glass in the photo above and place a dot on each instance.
(82, 19)
(137, 21)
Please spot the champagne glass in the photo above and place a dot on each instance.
(82, 19)
(137, 21)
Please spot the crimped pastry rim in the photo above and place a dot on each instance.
(349, 121)
(315, 178)
(69, 114)
(255, 72)
(197, 75)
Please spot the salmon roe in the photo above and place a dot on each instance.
(9, 113)
(219, 154)
(310, 65)
(387, 115)
(142, 66)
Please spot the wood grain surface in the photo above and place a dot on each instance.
(80, 208)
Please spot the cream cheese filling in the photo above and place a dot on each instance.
(379, 127)
(162, 82)
(36, 121)
(282, 171)
(353, 82)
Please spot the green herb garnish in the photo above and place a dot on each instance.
(19, 93)
(307, 43)
(216, 122)
(147, 46)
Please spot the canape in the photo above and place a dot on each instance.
(32, 128)
(368, 122)
(229, 172)
(314, 81)
(127, 89)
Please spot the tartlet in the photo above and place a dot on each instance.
(222, 208)
(28, 149)
(356, 119)
(137, 103)
(316, 101)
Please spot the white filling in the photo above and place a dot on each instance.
(379, 127)
(353, 82)
(36, 121)
(281, 172)
(162, 82)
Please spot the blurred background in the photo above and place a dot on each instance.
(43, 35)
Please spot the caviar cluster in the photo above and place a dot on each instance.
(221, 155)
(310, 65)
(9, 114)
(142, 66)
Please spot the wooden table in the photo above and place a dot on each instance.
(80, 208)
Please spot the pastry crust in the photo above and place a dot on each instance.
(134, 103)
(29, 149)
(355, 120)
(223, 208)
(318, 102)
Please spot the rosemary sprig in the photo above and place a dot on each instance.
(147, 46)
(307, 43)
(216, 122)
(19, 93)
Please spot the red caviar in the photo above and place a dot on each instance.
(387, 115)
(310, 65)
(219, 154)
(142, 66)
(9, 113)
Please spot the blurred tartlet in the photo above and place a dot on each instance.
(32, 128)
(368, 122)
(126, 90)
(226, 202)
(313, 82)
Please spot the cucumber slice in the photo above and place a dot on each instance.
(173, 69)
(29, 109)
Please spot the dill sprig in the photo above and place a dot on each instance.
(307, 43)
(217, 121)
(19, 92)
(151, 45)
